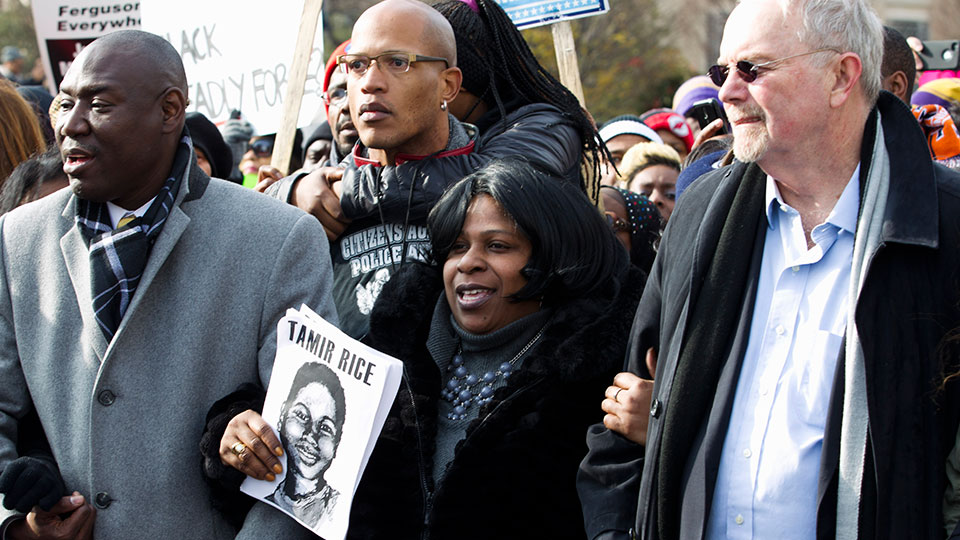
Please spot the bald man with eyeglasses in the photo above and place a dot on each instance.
(796, 309)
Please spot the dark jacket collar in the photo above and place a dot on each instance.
(459, 131)
(912, 213)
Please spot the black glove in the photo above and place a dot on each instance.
(28, 481)
(224, 481)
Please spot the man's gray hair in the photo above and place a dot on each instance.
(851, 25)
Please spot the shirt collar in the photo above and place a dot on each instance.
(844, 213)
(117, 212)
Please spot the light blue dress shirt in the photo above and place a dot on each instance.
(767, 480)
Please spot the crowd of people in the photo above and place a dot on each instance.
(738, 317)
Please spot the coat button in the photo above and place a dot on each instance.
(655, 408)
(102, 500)
(106, 398)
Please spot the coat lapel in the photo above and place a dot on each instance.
(77, 259)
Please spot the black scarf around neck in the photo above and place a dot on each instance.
(710, 332)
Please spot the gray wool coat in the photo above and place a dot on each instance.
(124, 418)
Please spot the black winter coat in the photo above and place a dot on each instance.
(909, 302)
(514, 474)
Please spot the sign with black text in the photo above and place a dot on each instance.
(328, 398)
(237, 55)
(65, 28)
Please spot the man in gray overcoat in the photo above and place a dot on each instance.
(129, 304)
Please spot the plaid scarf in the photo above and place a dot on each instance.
(118, 257)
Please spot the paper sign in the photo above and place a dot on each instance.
(64, 28)
(328, 398)
(237, 55)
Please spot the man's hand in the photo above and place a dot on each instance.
(316, 195)
(28, 481)
(71, 518)
(917, 46)
(267, 175)
(710, 131)
(627, 403)
(250, 446)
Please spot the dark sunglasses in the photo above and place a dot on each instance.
(749, 71)
(616, 223)
(261, 147)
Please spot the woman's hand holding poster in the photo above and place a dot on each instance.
(327, 400)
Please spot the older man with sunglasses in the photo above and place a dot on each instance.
(796, 307)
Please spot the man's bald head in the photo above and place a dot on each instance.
(403, 112)
(153, 53)
(436, 34)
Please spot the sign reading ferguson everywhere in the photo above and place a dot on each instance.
(65, 28)
(231, 62)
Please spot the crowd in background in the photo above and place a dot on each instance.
(536, 272)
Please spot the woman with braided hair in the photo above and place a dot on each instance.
(505, 90)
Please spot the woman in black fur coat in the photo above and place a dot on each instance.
(512, 467)
(506, 348)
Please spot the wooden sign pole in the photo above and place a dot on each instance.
(283, 145)
(566, 51)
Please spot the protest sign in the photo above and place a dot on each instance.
(530, 13)
(237, 55)
(65, 28)
(328, 398)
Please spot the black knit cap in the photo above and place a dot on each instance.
(207, 138)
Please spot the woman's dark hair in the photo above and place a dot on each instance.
(314, 372)
(25, 181)
(574, 252)
(498, 67)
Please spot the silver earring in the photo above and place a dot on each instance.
(443, 106)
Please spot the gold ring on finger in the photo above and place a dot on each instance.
(238, 448)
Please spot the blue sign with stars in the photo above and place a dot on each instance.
(530, 13)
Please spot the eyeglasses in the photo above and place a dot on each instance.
(393, 62)
(335, 95)
(615, 223)
(261, 147)
(749, 71)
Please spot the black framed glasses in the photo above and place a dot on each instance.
(749, 71)
(615, 223)
(334, 96)
(261, 147)
(392, 62)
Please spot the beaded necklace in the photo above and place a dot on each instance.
(462, 388)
